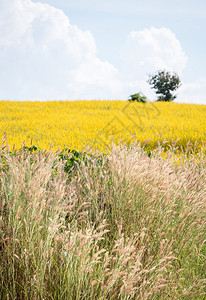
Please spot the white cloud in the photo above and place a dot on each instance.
(193, 92)
(151, 49)
(43, 56)
(147, 51)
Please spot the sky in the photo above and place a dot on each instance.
(100, 50)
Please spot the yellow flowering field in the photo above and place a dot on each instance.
(83, 124)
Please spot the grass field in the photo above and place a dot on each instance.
(126, 224)
(80, 124)
(130, 227)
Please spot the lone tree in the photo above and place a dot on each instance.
(164, 83)
(138, 98)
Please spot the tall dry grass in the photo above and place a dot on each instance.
(133, 228)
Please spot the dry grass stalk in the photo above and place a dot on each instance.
(131, 229)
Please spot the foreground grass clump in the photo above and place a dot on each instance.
(132, 227)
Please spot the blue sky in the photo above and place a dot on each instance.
(79, 50)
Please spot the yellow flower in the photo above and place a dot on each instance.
(84, 125)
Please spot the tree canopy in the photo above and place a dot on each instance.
(164, 84)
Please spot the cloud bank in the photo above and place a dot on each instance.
(152, 49)
(44, 57)
(148, 50)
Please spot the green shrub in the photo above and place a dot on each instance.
(138, 98)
